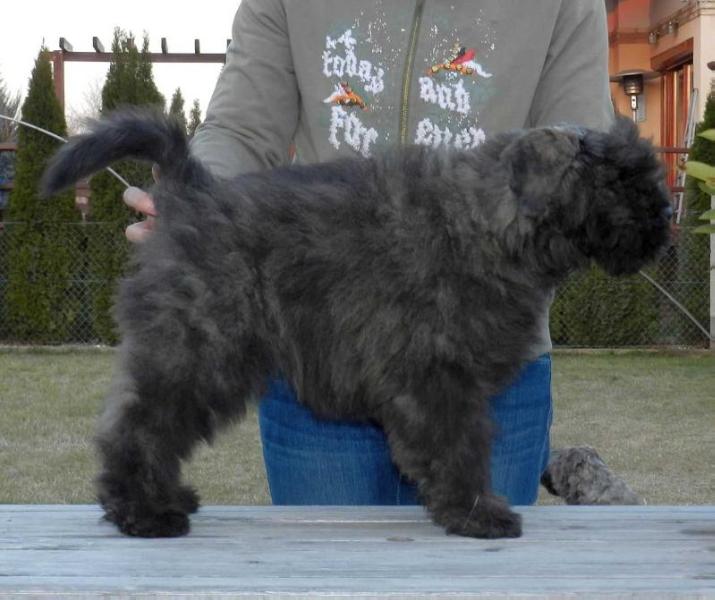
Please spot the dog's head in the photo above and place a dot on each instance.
(598, 194)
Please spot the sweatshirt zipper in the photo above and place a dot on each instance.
(407, 76)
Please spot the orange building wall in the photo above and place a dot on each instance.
(630, 22)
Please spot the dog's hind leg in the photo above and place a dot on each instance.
(153, 419)
(440, 438)
(189, 360)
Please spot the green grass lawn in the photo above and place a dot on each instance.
(651, 416)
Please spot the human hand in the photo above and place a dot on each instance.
(142, 202)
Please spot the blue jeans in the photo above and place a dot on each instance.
(312, 461)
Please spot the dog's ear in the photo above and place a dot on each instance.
(617, 146)
(536, 163)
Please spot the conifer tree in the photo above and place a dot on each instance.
(43, 240)
(194, 118)
(176, 109)
(694, 250)
(130, 80)
(702, 150)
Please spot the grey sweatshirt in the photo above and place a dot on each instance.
(337, 77)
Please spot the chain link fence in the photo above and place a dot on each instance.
(68, 304)
(591, 309)
(665, 305)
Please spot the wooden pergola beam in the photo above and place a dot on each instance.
(158, 57)
(101, 55)
(58, 74)
(66, 53)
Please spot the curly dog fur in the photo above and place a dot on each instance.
(579, 476)
(403, 289)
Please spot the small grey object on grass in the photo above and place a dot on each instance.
(580, 476)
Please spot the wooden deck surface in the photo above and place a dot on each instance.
(573, 553)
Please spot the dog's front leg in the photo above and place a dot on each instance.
(440, 437)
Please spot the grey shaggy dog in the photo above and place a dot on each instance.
(579, 476)
(403, 289)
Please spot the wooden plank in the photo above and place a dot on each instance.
(673, 56)
(672, 149)
(367, 552)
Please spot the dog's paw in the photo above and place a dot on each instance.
(489, 518)
(493, 523)
(187, 499)
(165, 523)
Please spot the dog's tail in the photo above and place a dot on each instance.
(128, 133)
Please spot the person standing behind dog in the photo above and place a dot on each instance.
(346, 78)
